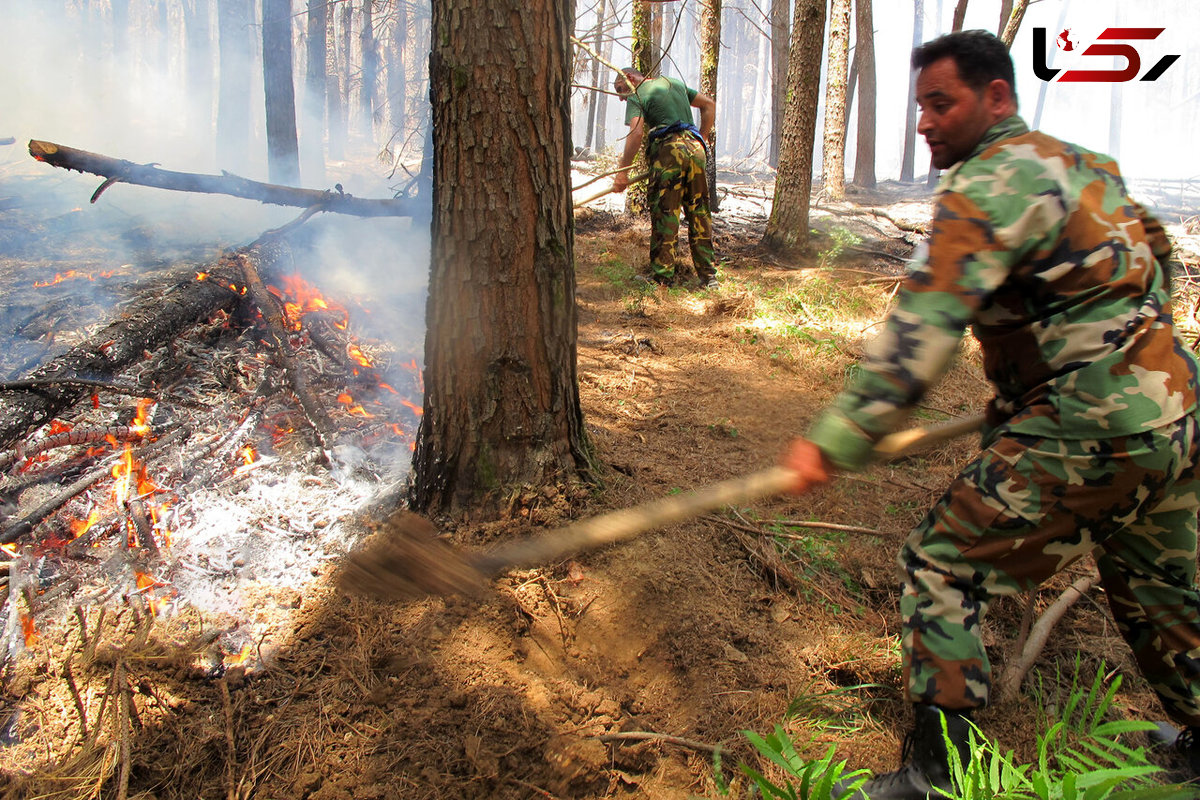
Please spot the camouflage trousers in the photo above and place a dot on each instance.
(678, 182)
(1026, 508)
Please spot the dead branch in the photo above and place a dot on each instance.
(1010, 683)
(642, 736)
(116, 170)
(313, 410)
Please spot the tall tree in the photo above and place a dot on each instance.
(312, 138)
(1009, 32)
(233, 86)
(960, 15)
(779, 59)
(787, 227)
(602, 97)
(369, 51)
(864, 58)
(644, 62)
(910, 110)
(502, 406)
(833, 153)
(594, 99)
(397, 80)
(1006, 7)
(283, 152)
(710, 56)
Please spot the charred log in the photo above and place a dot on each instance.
(151, 322)
(116, 170)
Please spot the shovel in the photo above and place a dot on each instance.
(406, 560)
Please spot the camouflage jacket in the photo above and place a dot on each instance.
(1036, 244)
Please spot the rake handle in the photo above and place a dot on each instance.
(616, 526)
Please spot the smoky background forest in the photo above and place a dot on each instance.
(180, 82)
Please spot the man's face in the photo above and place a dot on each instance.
(954, 117)
(622, 88)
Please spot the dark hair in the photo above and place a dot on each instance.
(979, 55)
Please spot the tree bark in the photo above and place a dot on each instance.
(864, 56)
(833, 156)
(312, 131)
(960, 15)
(1006, 7)
(502, 408)
(283, 152)
(910, 115)
(120, 171)
(779, 61)
(1009, 33)
(370, 71)
(636, 202)
(594, 100)
(233, 92)
(787, 227)
(397, 79)
(710, 55)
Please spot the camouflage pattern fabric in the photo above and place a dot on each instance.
(1028, 507)
(678, 181)
(1037, 246)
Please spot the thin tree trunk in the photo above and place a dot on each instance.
(283, 152)
(833, 155)
(1014, 22)
(594, 99)
(779, 60)
(1006, 7)
(397, 79)
(960, 15)
(312, 137)
(606, 37)
(864, 57)
(643, 60)
(787, 227)
(710, 56)
(370, 71)
(502, 408)
(910, 115)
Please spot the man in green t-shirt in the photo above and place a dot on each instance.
(660, 110)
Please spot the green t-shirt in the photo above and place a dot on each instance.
(660, 102)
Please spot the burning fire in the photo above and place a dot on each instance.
(352, 406)
(72, 274)
(300, 297)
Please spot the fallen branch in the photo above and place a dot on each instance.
(643, 736)
(1010, 683)
(116, 170)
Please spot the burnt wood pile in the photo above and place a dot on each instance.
(218, 384)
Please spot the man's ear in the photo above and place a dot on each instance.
(999, 99)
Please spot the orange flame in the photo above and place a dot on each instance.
(81, 526)
(352, 407)
(248, 454)
(31, 634)
(356, 353)
(234, 660)
(72, 274)
(301, 297)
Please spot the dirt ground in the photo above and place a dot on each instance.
(613, 674)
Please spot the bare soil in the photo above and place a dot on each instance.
(612, 674)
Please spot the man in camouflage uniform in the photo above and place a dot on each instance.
(660, 110)
(1091, 445)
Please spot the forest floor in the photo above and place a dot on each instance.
(612, 674)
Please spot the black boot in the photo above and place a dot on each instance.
(927, 761)
(1182, 745)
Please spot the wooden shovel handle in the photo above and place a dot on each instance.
(615, 526)
(603, 192)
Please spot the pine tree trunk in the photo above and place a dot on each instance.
(370, 71)
(787, 228)
(502, 409)
(833, 155)
(710, 56)
(397, 79)
(312, 131)
(594, 99)
(864, 57)
(636, 202)
(910, 116)
(283, 152)
(779, 59)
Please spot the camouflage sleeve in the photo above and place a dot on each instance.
(971, 253)
(1156, 235)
